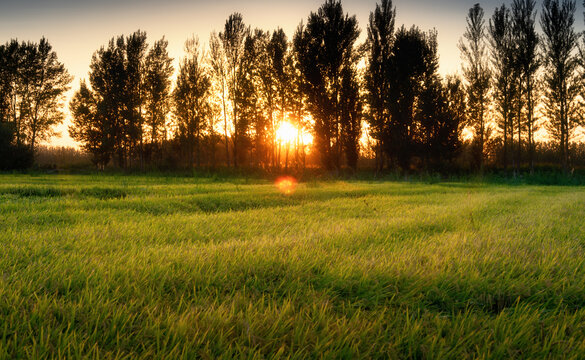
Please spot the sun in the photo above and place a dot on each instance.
(286, 133)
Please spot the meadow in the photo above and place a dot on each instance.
(114, 267)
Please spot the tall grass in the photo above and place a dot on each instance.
(114, 267)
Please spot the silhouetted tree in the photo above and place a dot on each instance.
(108, 79)
(351, 115)
(437, 120)
(90, 127)
(559, 46)
(324, 48)
(278, 56)
(191, 96)
(252, 114)
(134, 49)
(297, 100)
(220, 75)
(17, 74)
(477, 76)
(117, 79)
(265, 82)
(265, 91)
(50, 81)
(233, 40)
(457, 109)
(503, 56)
(157, 91)
(581, 74)
(528, 62)
(32, 90)
(7, 74)
(13, 154)
(408, 66)
(377, 80)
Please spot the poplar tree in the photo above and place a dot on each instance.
(528, 62)
(233, 39)
(133, 75)
(90, 127)
(325, 50)
(278, 54)
(157, 93)
(219, 70)
(503, 58)
(477, 75)
(191, 100)
(377, 80)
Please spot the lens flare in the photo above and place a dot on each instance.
(286, 185)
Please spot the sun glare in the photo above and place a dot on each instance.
(286, 133)
(286, 185)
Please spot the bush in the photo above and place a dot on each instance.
(13, 157)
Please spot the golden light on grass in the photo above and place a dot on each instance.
(286, 185)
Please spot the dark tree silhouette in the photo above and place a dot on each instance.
(134, 50)
(324, 48)
(108, 79)
(457, 109)
(437, 111)
(377, 80)
(13, 153)
(50, 81)
(233, 40)
(220, 75)
(528, 63)
(297, 100)
(191, 101)
(157, 94)
(559, 46)
(126, 85)
(266, 82)
(248, 99)
(503, 57)
(7, 83)
(407, 69)
(351, 114)
(90, 127)
(278, 56)
(33, 84)
(18, 61)
(477, 76)
(265, 92)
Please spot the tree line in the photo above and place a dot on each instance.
(226, 102)
(520, 73)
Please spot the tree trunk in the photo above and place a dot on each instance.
(286, 157)
(227, 147)
(505, 150)
(519, 124)
(530, 126)
(273, 130)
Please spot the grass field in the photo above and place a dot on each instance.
(155, 267)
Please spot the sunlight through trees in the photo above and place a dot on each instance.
(257, 98)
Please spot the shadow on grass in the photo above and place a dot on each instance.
(102, 193)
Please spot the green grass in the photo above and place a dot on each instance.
(154, 267)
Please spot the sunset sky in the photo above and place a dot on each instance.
(76, 28)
